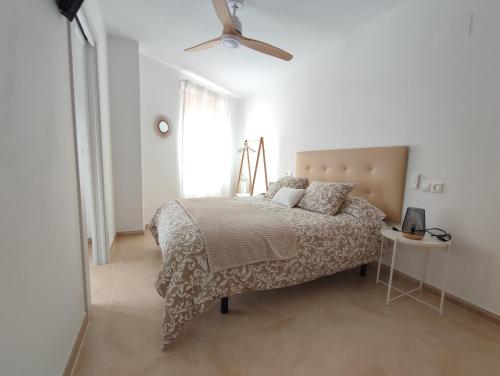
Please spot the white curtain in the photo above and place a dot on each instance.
(205, 143)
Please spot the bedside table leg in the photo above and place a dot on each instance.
(394, 248)
(426, 266)
(380, 260)
(443, 287)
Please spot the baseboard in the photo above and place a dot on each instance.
(129, 233)
(121, 234)
(450, 298)
(73, 357)
(113, 247)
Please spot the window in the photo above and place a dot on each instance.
(205, 142)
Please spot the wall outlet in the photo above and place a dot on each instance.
(437, 188)
(288, 173)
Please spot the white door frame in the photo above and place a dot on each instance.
(77, 32)
(100, 255)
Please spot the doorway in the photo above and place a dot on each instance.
(88, 146)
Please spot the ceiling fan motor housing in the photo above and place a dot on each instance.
(231, 40)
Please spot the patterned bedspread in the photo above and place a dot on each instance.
(325, 244)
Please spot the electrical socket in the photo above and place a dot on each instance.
(437, 188)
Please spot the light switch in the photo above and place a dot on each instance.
(425, 187)
(431, 187)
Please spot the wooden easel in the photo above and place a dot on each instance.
(243, 154)
(246, 153)
(261, 148)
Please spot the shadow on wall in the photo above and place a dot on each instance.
(260, 122)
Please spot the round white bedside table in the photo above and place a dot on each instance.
(428, 243)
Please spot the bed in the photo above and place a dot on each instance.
(325, 244)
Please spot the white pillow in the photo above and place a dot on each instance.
(288, 196)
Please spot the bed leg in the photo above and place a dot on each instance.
(363, 269)
(224, 305)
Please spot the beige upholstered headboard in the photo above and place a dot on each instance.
(379, 172)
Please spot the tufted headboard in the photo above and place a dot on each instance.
(379, 172)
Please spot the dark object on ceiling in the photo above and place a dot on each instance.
(69, 8)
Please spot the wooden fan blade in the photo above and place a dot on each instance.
(224, 14)
(203, 46)
(265, 48)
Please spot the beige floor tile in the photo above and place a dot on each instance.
(337, 325)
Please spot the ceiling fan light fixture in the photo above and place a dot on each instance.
(231, 41)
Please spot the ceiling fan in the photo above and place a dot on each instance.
(232, 33)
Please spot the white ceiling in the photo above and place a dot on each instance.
(164, 28)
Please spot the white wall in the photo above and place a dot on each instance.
(238, 121)
(160, 95)
(412, 77)
(125, 132)
(96, 23)
(41, 281)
